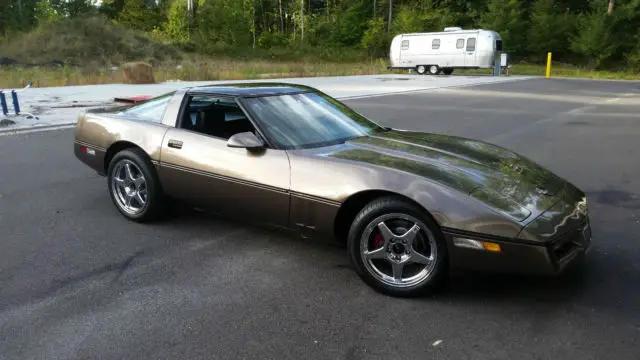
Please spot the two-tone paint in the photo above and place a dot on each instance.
(472, 189)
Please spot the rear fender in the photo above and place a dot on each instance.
(100, 132)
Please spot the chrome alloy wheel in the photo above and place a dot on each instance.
(129, 187)
(398, 250)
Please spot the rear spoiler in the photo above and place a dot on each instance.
(133, 99)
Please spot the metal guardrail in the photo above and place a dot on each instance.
(15, 102)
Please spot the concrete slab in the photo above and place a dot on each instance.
(61, 106)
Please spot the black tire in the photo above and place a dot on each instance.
(385, 206)
(447, 71)
(155, 199)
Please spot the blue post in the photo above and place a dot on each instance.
(16, 104)
(3, 103)
(496, 64)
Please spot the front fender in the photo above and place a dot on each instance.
(456, 210)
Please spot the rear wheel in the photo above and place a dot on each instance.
(134, 186)
(397, 249)
(434, 69)
(421, 69)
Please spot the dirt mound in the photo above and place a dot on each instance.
(85, 42)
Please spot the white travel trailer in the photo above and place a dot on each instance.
(453, 48)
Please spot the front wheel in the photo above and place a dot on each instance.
(397, 249)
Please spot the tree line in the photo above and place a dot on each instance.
(595, 33)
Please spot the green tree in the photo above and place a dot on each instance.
(17, 15)
(177, 27)
(345, 27)
(351, 24)
(376, 39)
(407, 20)
(71, 8)
(595, 40)
(46, 12)
(223, 24)
(508, 18)
(142, 15)
(549, 26)
(439, 14)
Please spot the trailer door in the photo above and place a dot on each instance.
(404, 48)
(458, 55)
(470, 53)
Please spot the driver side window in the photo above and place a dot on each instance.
(215, 116)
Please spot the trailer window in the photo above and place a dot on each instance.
(460, 44)
(471, 44)
(435, 44)
(405, 44)
(499, 45)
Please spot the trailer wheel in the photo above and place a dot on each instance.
(447, 71)
(434, 69)
(421, 69)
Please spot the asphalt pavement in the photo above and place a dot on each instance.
(78, 281)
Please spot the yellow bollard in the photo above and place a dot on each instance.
(548, 65)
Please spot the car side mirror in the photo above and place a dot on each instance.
(247, 140)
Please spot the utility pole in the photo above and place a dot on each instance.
(302, 15)
(20, 9)
(281, 19)
(612, 3)
(390, 14)
(190, 7)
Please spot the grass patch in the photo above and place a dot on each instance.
(206, 69)
(195, 69)
(561, 71)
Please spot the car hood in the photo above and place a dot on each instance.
(502, 179)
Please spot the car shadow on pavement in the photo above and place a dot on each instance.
(603, 281)
(596, 282)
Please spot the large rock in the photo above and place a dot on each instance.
(138, 73)
(7, 61)
(6, 122)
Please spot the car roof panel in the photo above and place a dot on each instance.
(251, 89)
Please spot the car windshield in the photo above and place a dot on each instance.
(307, 120)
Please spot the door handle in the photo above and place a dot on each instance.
(175, 144)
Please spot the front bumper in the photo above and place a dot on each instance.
(519, 256)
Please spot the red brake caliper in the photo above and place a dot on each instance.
(378, 241)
